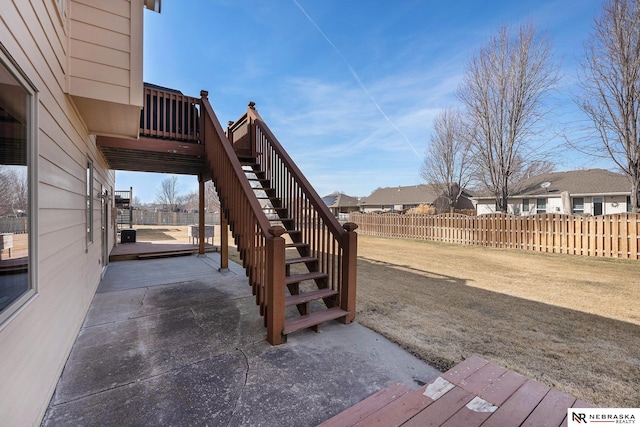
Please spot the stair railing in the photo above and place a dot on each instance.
(334, 246)
(169, 114)
(261, 246)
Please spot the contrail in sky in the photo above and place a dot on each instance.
(357, 78)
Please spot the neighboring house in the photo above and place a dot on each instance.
(340, 203)
(399, 199)
(69, 70)
(580, 192)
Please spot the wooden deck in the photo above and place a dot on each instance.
(473, 393)
(158, 249)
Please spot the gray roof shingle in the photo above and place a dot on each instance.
(411, 195)
(577, 182)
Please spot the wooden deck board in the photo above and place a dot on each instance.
(551, 411)
(464, 369)
(398, 411)
(472, 393)
(482, 378)
(466, 417)
(442, 409)
(519, 406)
(498, 391)
(131, 251)
(368, 406)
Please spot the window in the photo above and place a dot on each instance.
(577, 205)
(629, 207)
(525, 206)
(541, 206)
(598, 206)
(18, 110)
(89, 202)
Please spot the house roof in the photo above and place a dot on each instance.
(577, 183)
(154, 5)
(411, 195)
(340, 200)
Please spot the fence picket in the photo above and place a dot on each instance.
(601, 236)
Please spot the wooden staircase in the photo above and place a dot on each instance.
(307, 285)
(301, 263)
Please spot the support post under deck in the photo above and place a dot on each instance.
(201, 220)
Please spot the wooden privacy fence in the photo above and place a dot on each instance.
(614, 236)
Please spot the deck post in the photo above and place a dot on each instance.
(349, 261)
(224, 241)
(275, 279)
(201, 220)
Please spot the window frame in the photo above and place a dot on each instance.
(538, 204)
(90, 237)
(31, 128)
(526, 208)
(575, 211)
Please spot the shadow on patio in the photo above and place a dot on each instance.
(174, 341)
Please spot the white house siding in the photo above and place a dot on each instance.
(105, 55)
(611, 205)
(35, 342)
(105, 63)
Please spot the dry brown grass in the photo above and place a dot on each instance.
(570, 322)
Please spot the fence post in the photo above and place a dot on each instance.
(349, 263)
(275, 283)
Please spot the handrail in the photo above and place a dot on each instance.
(307, 188)
(170, 114)
(261, 248)
(333, 245)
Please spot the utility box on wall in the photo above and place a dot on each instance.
(128, 236)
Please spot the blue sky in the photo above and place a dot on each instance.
(349, 87)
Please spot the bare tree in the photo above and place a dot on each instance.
(503, 91)
(14, 191)
(447, 164)
(190, 201)
(211, 199)
(168, 193)
(611, 86)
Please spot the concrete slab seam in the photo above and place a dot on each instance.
(246, 378)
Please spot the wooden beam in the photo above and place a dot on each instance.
(201, 230)
(152, 145)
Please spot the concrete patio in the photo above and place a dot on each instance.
(173, 341)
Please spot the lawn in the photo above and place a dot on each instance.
(570, 322)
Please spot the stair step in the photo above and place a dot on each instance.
(313, 319)
(308, 296)
(281, 219)
(297, 278)
(300, 260)
(296, 245)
